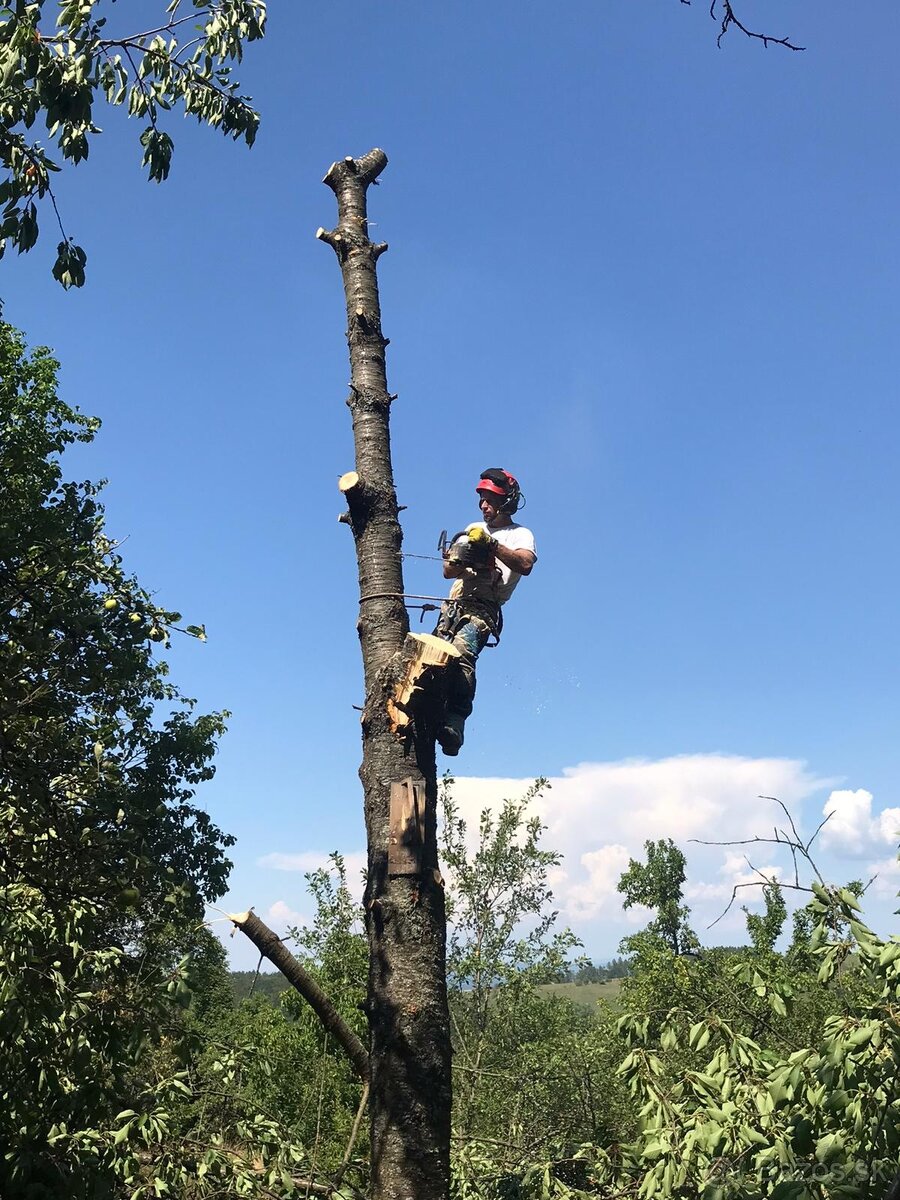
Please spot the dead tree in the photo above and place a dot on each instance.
(409, 1027)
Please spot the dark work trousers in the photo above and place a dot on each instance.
(469, 632)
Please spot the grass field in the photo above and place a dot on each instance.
(584, 993)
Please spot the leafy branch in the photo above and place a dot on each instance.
(61, 77)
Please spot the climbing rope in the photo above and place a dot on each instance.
(434, 606)
(401, 596)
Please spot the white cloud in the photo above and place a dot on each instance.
(889, 825)
(603, 867)
(887, 878)
(740, 880)
(312, 860)
(851, 828)
(277, 861)
(280, 916)
(598, 815)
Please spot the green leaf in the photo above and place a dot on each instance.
(69, 266)
(777, 1004)
(122, 1133)
(828, 1147)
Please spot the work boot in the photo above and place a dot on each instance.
(450, 735)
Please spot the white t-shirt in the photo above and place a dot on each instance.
(514, 537)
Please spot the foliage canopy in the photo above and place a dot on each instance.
(105, 862)
(58, 73)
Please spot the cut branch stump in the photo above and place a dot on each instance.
(422, 653)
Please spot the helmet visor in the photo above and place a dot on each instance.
(488, 485)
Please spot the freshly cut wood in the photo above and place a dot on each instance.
(421, 652)
(432, 651)
(348, 481)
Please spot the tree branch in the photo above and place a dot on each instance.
(791, 842)
(270, 945)
(354, 1134)
(729, 17)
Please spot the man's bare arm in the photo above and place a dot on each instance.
(520, 561)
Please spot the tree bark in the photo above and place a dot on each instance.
(409, 1023)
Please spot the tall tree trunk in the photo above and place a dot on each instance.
(406, 922)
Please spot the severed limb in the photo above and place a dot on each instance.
(270, 945)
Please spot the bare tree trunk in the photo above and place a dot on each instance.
(407, 997)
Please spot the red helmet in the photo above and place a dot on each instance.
(498, 482)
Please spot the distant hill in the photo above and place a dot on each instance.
(271, 984)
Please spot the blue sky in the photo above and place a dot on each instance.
(655, 279)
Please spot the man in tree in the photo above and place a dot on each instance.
(486, 562)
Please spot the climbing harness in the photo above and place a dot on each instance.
(455, 614)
